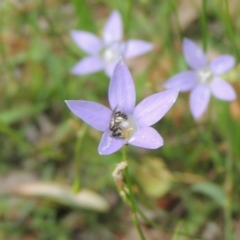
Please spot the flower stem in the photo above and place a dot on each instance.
(153, 224)
(131, 198)
(77, 183)
(204, 24)
(127, 20)
(229, 27)
(128, 17)
(228, 182)
(174, 5)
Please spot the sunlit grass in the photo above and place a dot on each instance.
(42, 141)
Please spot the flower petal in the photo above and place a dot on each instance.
(87, 41)
(222, 64)
(154, 107)
(109, 68)
(146, 137)
(222, 90)
(184, 81)
(194, 55)
(94, 114)
(121, 91)
(134, 48)
(88, 65)
(113, 30)
(199, 99)
(109, 145)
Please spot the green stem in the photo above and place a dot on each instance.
(155, 225)
(128, 17)
(131, 198)
(204, 24)
(77, 163)
(127, 21)
(228, 25)
(228, 182)
(174, 8)
(216, 156)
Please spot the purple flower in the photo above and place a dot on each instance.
(203, 78)
(124, 123)
(103, 54)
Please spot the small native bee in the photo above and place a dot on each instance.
(118, 124)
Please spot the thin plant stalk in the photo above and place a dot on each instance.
(155, 225)
(128, 17)
(204, 25)
(228, 182)
(128, 20)
(228, 233)
(132, 199)
(174, 8)
(77, 164)
(229, 27)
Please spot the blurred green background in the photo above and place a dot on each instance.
(190, 185)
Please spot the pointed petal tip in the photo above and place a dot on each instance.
(223, 90)
(94, 114)
(120, 64)
(174, 92)
(222, 64)
(73, 71)
(199, 100)
(194, 54)
(109, 145)
(87, 65)
(115, 11)
(136, 47)
(234, 96)
(187, 41)
(183, 81)
(72, 32)
(147, 137)
(113, 29)
(121, 89)
(100, 153)
(197, 116)
(121, 61)
(68, 102)
(151, 109)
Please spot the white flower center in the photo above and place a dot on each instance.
(111, 53)
(122, 125)
(204, 76)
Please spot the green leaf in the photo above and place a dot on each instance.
(83, 13)
(84, 199)
(15, 114)
(210, 190)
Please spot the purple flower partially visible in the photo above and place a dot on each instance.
(203, 78)
(103, 54)
(124, 123)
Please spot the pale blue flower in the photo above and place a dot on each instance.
(203, 78)
(103, 54)
(123, 123)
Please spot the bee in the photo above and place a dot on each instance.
(119, 124)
